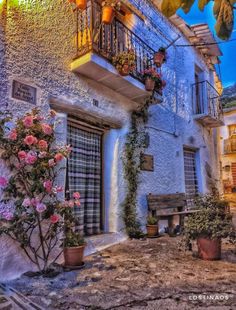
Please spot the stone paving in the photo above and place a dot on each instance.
(148, 274)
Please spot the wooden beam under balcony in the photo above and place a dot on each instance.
(97, 68)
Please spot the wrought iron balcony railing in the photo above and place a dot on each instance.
(206, 103)
(230, 146)
(110, 40)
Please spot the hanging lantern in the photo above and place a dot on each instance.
(160, 57)
(107, 15)
(81, 4)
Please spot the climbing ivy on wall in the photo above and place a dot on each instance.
(134, 145)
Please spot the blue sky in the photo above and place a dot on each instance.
(228, 60)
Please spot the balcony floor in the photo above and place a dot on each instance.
(208, 120)
(99, 69)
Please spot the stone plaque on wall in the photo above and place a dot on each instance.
(24, 92)
(146, 162)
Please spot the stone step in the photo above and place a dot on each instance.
(14, 300)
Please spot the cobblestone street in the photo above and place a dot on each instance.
(148, 274)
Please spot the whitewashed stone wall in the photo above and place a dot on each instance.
(37, 40)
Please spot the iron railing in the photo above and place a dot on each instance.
(230, 146)
(110, 40)
(206, 100)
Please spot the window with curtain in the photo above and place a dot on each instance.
(84, 175)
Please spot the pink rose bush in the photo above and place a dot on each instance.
(30, 153)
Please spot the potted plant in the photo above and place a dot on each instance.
(152, 79)
(160, 57)
(152, 226)
(208, 226)
(124, 62)
(73, 243)
(73, 250)
(108, 9)
(81, 4)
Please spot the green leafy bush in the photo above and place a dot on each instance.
(212, 221)
(151, 220)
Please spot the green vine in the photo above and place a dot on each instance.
(135, 142)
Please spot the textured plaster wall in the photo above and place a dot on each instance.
(37, 46)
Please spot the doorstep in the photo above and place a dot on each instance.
(100, 242)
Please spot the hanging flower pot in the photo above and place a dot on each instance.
(160, 57)
(149, 84)
(81, 4)
(107, 15)
(124, 70)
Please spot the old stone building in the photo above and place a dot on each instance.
(227, 142)
(62, 58)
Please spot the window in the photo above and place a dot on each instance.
(232, 130)
(190, 173)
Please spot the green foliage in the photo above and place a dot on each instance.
(73, 239)
(135, 142)
(151, 220)
(124, 58)
(212, 221)
(223, 12)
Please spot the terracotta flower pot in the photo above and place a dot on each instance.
(159, 58)
(152, 230)
(125, 70)
(209, 249)
(149, 84)
(73, 256)
(81, 4)
(107, 15)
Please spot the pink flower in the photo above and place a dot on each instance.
(51, 163)
(42, 154)
(13, 135)
(42, 144)
(76, 195)
(41, 207)
(59, 189)
(8, 215)
(29, 140)
(71, 203)
(48, 186)
(58, 157)
(26, 202)
(3, 182)
(54, 218)
(22, 155)
(35, 201)
(77, 203)
(31, 158)
(39, 118)
(28, 121)
(47, 129)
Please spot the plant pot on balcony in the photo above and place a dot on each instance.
(73, 256)
(107, 15)
(124, 70)
(159, 57)
(209, 249)
(149, 84)
(81, 4)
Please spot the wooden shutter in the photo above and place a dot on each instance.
(233, 168)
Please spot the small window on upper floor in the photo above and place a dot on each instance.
(232, 130)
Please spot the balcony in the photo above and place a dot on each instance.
(96, 45)
(207, 108)
(230, 146)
